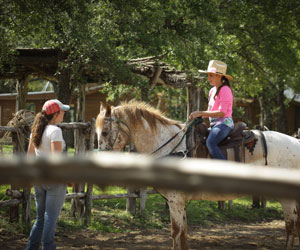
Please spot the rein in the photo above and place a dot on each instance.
(191, 123)
(171, 139)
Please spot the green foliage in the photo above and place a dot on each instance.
(117, 93)
(263, 37)
(259, 40)
(38, 85)
(170, 100)
(6, 149)
(7, 86)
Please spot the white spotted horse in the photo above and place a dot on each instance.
(152, 133)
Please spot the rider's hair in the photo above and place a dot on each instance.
(225, 82)
(41, 120)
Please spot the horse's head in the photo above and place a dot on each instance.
(135, 123)
(112, 132)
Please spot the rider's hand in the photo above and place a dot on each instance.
(195, 114)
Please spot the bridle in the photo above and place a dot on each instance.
(118, 122)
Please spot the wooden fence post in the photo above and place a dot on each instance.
(88, 204)
(131, 202)
(26, 207)
(80, 148)
(77, 204)
(230, 205)
(221, 205)
(14, 209)
(143, 198)
(89, 191)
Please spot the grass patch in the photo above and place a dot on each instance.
(111, 216)
(207, 212)
(6, 149)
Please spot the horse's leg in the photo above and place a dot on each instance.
(292, 224)
(178, 219)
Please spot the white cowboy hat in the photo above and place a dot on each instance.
(217, 67)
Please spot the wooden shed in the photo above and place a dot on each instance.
(35, 101)
(93, 96)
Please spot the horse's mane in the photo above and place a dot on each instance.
(136, 111)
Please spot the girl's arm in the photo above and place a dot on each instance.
(214, 114)
(30, 150)
(56, 147)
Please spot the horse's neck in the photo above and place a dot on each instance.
(147, 140)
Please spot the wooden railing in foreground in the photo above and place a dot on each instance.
(127, 169)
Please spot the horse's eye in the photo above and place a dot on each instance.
(104, 133)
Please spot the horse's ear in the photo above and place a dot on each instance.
(105, 108)
(102, 106)
(108, 110)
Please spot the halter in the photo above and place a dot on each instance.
(119, 122)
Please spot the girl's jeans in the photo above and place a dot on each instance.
(216, 135)
(49, 200)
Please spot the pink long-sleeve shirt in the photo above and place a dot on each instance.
(223, 101)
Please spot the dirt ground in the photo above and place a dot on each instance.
(264, 235)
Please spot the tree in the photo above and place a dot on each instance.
(264, 36)
(258, 39)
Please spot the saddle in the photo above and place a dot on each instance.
(235, 142)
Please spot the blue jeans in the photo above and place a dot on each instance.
(49, 200)
(216, 135)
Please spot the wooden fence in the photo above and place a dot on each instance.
(81, 198)
(19, 142)
(85, 198)
(105, 169)
(129, 169)
(135, 170)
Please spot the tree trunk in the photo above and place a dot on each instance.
(64, 90)
(80, 117)
(266, 113)
(21, 87)
(195, 99)
(281, 123)
(80, 148)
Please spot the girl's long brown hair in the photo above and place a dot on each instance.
(41, 120)
(225, 82)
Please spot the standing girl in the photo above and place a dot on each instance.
(219, 107)
(45, 139)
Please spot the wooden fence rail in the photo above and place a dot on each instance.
(8, 129)
(69, 196)
(135, 170)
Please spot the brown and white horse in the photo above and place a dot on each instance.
(147, 129)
